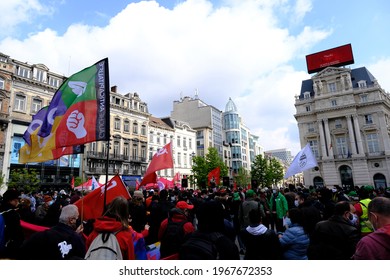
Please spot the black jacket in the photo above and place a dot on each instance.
(60, 242)
(13, 233)
(333, 239)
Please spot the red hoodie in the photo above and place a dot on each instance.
(124, 236)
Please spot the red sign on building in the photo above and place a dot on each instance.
(333, 57)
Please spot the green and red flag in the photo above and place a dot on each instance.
(77, 114)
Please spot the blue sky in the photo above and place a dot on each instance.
(250, 50)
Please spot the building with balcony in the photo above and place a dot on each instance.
(32, 87)
(344, 114)
(127, 152)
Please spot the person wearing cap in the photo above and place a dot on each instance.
(13, 231)
(42, 209)
(174, 228)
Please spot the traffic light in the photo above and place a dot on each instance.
(226, 181)
(184, 183)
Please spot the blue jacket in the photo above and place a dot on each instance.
(295, 243)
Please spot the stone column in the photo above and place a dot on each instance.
(352, 140)
(322, 139)
(383, 133)
(328, 138)
(358, 135)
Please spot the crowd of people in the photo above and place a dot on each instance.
(292, 223)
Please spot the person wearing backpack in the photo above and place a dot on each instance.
(174, 228)
(115, 221)
(209, 241)
(11, 232)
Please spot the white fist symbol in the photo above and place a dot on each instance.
(75, 123)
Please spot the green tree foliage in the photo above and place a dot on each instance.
(267, 171)
(24, 179)
(203, 165)
(1, 180)
(242, 178)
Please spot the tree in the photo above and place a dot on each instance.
(242, 178)
(267, 171)
(259, 171)
(1, 180)
(203, 165)
(24, 179)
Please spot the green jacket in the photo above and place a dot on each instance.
(281, 205)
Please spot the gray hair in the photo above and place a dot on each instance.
(380, 205)
(68, 211)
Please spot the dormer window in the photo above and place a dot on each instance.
(306, 95)
(362, 84)
(333, 103)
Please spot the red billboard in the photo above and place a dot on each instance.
(333, 57)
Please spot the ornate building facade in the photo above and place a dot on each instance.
(344, 114)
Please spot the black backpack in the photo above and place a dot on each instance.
(172, 238)
(200, 246)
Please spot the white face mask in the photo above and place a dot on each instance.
(296, 203)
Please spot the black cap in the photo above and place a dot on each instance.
(11, 195)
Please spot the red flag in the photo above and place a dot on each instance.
(136, 185)
(213, 176)
(161, 160)
(91, 206)
(177, 177)
(72, 183)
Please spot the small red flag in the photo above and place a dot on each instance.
(72, 183)
(91, 206)
(161, 160)
(213, 176)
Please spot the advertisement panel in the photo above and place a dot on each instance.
(333, 57)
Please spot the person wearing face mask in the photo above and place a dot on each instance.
(64, 241)
(278, 207)
(376, 245)
(335, 238)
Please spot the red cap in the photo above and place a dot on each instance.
(184, 205)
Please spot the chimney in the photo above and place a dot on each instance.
(113, 88)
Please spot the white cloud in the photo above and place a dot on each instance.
(381, 69)
(15, 12)
(239, 51)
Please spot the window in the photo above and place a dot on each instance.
(3, 59)
(179, 159)
(372, 143)
(36, 105)
(93, 147)
(40, 75)
(20, 103)
(314, 147)
(362, 84)
(342, 147)
(126, 149)
(117, 124)
(143, 153)
(363, 98)
(306, 95)
(151, 137)
(135, 151)
(158, 139)
(143, 130)
(178, 141)
(116, 148)
(135, 128)
(126, 126)
(185, 142)
(190, 143)
(368, 119)
(333, 102)
(310, 127)
(332, 87)
(337, 123)
(54, 82)
(2, 83)
(24, 72)
(308, 109)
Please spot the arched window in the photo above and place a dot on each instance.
(346, 176)
(380, 181)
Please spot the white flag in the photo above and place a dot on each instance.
(304, 160)
(95, 184)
